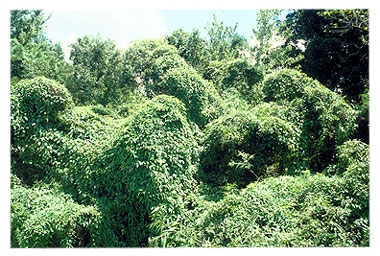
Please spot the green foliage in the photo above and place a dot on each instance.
(244, 145)
(267, 29)
(362, 118)
(135, 99)
(343, 20)
(48, 135)
(336, 47)
(352, 163)
(42, 217)
(269, 51)
(326, 119)
(98, 74)
(191, 47)
(285, 84)
(298, 211)
(33, 60)
(352, 152)
(303, 211)
(224, 41)
(27, 25)
(188, 142)
(37, 103)
(231, 101)
(36, 106)
(32, 54)
(149, 168)
(160, 70)
(191, 89)
(235, 73)
(139, 56)
(328, 122)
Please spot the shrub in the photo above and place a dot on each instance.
(191, 89)
(66, 138)
(303, 211)
(37, 103)
(85, 139)
(350, 153)
(165, 72)
(139, 54)
(235, 73)
(329, 121)
(352, 163)
(286, 84)
(42, 217)
(36, 106)
(326, 119)
(149, 166)
(244, 145)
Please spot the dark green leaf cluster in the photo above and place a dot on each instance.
(98, 74)
(237, 73)
(326, 119)
(336, 47)
(245, 145)
(37, 102)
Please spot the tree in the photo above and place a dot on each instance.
(269, 51)
(191, 47)
(98, 74)
(160, 70)
(224, 41)
(32, 53)
(27, 26)
(336, 47)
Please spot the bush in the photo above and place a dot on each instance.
(36, 107)
(42, 217)
(329, 121)
(235, 73)
(326, 119)
(286, 84)
(161, 70)
(149, 167)
(37, 103)
(304, 211)
(350, 153)
(352, 163)
(244, 145)
(191, 89)
(66, 139)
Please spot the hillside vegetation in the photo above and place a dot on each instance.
(192, 142)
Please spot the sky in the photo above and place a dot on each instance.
(124, 26)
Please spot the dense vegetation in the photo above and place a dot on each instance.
(193, 142)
